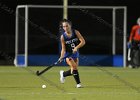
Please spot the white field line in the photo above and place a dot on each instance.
(71, 93)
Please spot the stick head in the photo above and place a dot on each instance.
(37, 73)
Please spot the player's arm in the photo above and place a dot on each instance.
(81, 39)
(63, 49)
(132, 33)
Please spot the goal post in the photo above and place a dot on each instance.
(21, 42)
(23, 27)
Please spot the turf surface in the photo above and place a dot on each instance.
(99, 83)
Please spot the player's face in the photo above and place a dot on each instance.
(66, 26)
(139, 21)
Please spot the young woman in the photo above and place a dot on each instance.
(71, 41)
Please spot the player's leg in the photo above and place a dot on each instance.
(136, 58)
(64, 74)
(135, 54)
(73, 63)
(132, 53)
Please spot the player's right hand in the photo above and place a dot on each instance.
(74, 50)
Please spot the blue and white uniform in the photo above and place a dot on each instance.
(71, 43)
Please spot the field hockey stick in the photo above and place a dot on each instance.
(46, 69)
(129, 54)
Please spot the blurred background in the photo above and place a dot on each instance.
(97, 43)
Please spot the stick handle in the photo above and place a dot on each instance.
(49, 67)
(129, 52)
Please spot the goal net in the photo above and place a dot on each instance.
(37, 33)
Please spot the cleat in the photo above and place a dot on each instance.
(78, 86)
(62, 78)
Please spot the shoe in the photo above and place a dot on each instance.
(62, 78)
(78, 86)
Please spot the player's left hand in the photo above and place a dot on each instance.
(129, 44)
(60, 59)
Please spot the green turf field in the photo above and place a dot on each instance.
(99, 83)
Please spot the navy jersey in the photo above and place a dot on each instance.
(70, 42)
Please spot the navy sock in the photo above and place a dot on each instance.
(67, 73)
(76, 76)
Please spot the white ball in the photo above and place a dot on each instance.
(43, 86)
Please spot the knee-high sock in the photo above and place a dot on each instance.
(67, 73)
(76, 76)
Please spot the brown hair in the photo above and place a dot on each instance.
(65, 20)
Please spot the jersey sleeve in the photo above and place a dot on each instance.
(132, 33)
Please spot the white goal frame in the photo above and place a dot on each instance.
(65, 14)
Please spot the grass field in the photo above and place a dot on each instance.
(99, 83)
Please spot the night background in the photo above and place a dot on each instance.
(7, 30)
